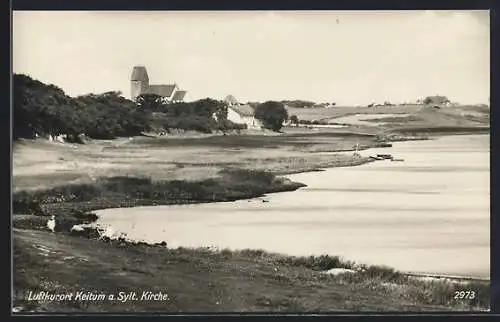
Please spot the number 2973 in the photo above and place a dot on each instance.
(464, 295)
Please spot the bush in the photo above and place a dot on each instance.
(151, 102)
(27, 207)
(226, 125)
(318, 263)
(272, 114)
(436, 100)
(383, 272)
(249, 175)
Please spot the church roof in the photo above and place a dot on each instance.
(139, 73)
(179, 96)
(162, 90)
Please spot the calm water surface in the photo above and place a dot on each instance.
(429, 214)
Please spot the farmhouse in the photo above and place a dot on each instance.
(241, 113)
(139, 84)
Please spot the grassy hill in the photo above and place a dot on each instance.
(406, 115)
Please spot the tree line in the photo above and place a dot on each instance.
(306, 104)
(44, 109)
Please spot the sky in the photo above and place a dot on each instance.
(345, 57)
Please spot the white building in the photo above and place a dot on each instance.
(241, 113)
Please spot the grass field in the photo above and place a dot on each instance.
(318, 114)
(73, 179)
(178, 158)
(202, 280)
(427, 116)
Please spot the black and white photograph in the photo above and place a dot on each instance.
(250, 161)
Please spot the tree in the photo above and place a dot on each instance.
(253, 104)
(45, 109)
(272, 114)
(221, 113)
(152, 102)
(436, 100)
(206, 107)
(299, 103)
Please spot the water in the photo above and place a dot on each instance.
(429, 214)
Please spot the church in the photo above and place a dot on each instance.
(139, 82)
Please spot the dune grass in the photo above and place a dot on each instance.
(209, 280)
(232, 184)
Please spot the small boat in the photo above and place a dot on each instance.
(376, 158)
(384, 156)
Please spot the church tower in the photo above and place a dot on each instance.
(139, 81)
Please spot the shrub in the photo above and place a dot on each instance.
(383, 272)
(249, 175)
(294, 119)
(318, 263)
(437, 99)
(272, 114)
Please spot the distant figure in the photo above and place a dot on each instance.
(51, 224)
(356, 152)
